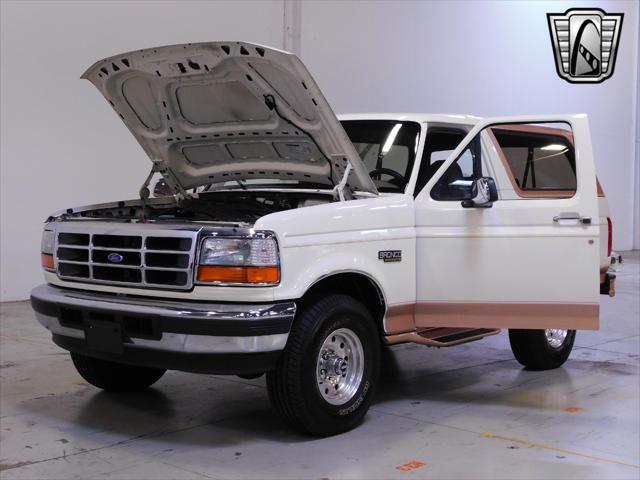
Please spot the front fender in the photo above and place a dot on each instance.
(319, 241)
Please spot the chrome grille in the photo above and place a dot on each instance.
(157, 259)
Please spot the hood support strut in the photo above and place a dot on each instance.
(145, 193)
(338, 190)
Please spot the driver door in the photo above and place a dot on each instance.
(529, 260)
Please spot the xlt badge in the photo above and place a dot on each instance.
(390, 255)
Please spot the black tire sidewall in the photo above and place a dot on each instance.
(114, 376)
(532, 349)
(323, 417)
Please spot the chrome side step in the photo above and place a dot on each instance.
(441, 336)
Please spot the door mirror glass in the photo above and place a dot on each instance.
(483, 193)
(456, 183)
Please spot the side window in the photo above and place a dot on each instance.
(457, 181)
(438, 145)
(539, 160)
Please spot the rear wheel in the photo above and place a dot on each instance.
(113, 376)
(542, 349)
(326, 376)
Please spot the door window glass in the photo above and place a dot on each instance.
(539, 159)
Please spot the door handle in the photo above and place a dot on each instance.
(577, 218)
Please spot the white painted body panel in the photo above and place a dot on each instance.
(346, 237)
(497, 257)
(512, 252)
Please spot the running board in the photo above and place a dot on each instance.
(441, 336)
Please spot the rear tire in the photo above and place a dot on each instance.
(113, 376)
(326, 376)
(542, 349)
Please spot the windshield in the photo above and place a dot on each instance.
(387, 148)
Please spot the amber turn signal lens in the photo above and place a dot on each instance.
(47, 261)
(208, 273)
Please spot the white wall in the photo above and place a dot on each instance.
(61, 145)
(636, 206)
(483, 58)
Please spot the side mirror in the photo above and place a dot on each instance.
(483, 193)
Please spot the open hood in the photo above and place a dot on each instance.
(212, 112)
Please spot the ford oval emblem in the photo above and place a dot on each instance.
(115, 257)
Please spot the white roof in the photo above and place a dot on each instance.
(415, 117)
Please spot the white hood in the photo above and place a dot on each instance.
(219, 111)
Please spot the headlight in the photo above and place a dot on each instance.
(48, 240)
(46, 249)
(239, 261)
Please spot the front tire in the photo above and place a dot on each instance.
(113, 376)
(542, 349)
(325, 379)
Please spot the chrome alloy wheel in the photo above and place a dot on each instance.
(340, 366)
(555, 336)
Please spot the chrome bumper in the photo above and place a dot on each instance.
(157, 326)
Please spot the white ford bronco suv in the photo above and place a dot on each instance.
(284, 241)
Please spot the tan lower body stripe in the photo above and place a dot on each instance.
(577, 316)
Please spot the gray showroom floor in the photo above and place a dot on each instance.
(468, 411)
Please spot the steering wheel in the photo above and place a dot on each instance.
(397, 177)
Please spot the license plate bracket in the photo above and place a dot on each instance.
(104, 336)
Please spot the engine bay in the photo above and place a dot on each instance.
(241, 207)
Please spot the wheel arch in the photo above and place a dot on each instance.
(359, 285)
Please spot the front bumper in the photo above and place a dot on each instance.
(191, 336)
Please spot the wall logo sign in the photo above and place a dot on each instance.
(585, 43)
